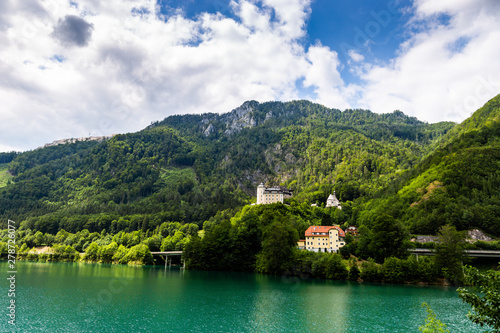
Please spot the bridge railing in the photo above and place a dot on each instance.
(470, 253)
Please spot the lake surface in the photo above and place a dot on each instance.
(77, 297)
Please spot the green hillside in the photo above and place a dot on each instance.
(459, 183)
(188, 168)
(5, 176)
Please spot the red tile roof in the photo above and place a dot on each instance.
(315, 228)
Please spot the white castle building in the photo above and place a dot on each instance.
(269, 195)
(332, 201)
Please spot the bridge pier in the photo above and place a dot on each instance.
(168, 256)
(168, 261)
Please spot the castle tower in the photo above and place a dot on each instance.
(260, 193)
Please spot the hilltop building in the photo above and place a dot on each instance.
(269, 195)
(324, 238)
(332, 201)
(352, 230)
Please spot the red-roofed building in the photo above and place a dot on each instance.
(352, 230)
(324, 238)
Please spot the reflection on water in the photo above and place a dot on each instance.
(77, 297)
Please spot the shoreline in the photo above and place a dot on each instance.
(439, 283)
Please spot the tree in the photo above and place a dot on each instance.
(192, 254)
(279, 241)
(108, 251)
(39, 238)
(138, 254)
(353, 270)
(92, 252)
(432, 324)
(449, 253)
(49, 239)
(334, 267)
(389, 238)
(485, 301)
(344, 252)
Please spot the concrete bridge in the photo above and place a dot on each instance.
(166, 254)
(469, 253)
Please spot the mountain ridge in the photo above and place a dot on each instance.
(457, 183)
(189, 168)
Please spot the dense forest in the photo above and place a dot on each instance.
(394, 175)
(457, 184)
(188, 168)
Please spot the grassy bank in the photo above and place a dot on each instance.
(5, 176)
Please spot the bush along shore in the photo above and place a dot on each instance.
(305, 265)
(133, 247)
(243, 245)
(112, 253)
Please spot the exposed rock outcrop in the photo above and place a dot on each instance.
(209, 130)
(73, 140)
(239, 118)
(477, 235)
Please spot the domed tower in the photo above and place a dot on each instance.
(260, 193)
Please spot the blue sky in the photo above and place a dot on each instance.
(89, 68)
(373, 29)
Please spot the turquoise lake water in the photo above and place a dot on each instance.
(76, 297)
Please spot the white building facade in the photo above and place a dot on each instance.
(269, 195)
(332, 201)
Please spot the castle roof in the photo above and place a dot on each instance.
(316, 230)
(277, 189)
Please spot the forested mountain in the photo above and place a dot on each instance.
(188, 168)
(458, 184)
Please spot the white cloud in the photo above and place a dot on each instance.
(136, 68)
(323, 74)
(292, 15)
(356, 57)
(444, 72)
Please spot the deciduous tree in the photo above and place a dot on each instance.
(485, 300)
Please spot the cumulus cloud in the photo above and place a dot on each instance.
(4, 8)
(324, 76)
(447, 69)
(73, 31)
(292, 15)
(355, 56)
(139, 68)
(103, 67)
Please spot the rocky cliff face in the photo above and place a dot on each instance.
(239, 118)
(234, 121)
(73, 140)
(209, 129)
